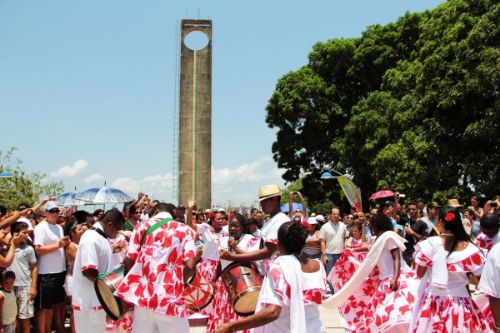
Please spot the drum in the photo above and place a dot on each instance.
(105, 287)
(198, 292)
(243, 282)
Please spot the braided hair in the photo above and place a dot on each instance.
(292, 237)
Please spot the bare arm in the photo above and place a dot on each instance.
(40, 250)
(91, 274)
(290, 205)
(268, 314)
(421, 271)
(189, 269)
(264, 253)
(34, 280)
(304, 206)
(324, 257)
(495, 310)
(9, 257)
(71, 251)
(396, 260)
(189, 219)
(10, 219)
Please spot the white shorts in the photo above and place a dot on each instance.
(153, 322)
(25, 304)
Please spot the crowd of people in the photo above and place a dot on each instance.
(399, 267)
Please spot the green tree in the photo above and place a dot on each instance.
(23, 187)
(412, 105)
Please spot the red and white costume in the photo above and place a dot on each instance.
(353, 242)
(222, 309)
(445, 305)
(490, 283)
(297, 293)
(211, 241)
(365, 300)
(155, 283)
(486, 243)
(94, 252)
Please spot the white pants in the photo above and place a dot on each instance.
(90, 321)
(153, 322)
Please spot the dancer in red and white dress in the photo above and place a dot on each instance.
(378, 296)
(486, 240)
(239, 242)
(490, 285)
(210, 237)
(157, 263)
(445, 305)
(291, 291)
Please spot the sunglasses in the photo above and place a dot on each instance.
(54, 211)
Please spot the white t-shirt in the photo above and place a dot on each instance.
(490, 283)
(334, 236)
(94, 252)
(49, 234)
(386, 263)
(270, 229)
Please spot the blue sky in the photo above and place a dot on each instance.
(87, 88)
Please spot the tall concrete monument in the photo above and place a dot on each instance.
(195, 117)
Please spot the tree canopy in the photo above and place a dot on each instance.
(412, 106)
(22, 187)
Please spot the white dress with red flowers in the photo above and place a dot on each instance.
(449, 307)
(222, 309)
(486, 244)
(207, 267)
(276, 290)
(155, 281)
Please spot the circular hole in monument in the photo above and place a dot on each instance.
(196, 40)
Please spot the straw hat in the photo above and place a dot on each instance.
(269, 191)
(454, 203)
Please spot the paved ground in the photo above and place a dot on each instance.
(330, 319)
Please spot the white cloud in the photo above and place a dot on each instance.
(92, 178)
(234, 186)
(70, 170)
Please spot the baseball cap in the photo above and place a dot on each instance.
(51, 205)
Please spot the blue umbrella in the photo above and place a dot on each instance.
(5, 174)
(103, 195)
(295, 206)
(68, 199)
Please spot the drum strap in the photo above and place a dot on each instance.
(154, 227)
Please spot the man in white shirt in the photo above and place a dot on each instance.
(93, 257)
(332, 236)
(49, 247)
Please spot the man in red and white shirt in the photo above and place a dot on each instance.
(93, 257)
(154, 283)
